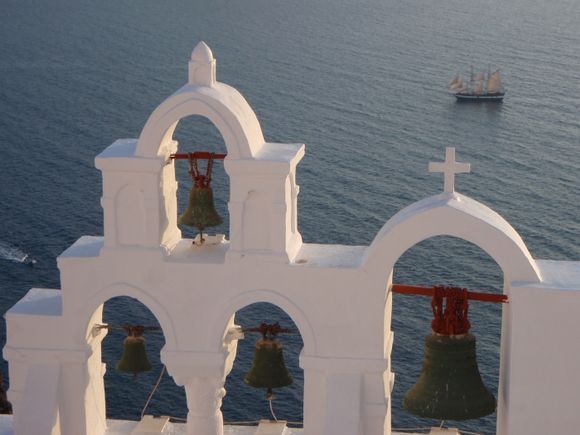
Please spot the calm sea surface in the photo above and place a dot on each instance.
(362, 83)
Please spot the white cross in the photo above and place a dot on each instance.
(449, 168)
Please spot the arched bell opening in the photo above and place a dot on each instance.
(448, 261)
(244, 402)
(197, 133)
(126, 393)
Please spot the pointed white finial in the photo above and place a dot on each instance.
(449, 168)
(202, 69)
(202, 53)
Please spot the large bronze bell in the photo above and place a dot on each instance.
(134, 359)
(201, 212)
(449, 386)
(268, 369)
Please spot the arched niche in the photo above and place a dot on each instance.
(452, 215)
(223, 105)
(85, 314)
(444, 260)
(225, 316)
(197, 133)
(244, 402)
(126, 394)
(130, 202)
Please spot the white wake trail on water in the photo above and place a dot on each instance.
(12, 253)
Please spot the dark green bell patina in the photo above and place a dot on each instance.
(449, 386)
(134, 359)
(268, 369)
(201, 212)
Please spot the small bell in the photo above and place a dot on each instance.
(268, 368)
(134, 359)
(201, 212)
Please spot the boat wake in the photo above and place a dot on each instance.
(12, 253)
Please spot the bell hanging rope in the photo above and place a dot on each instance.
(201, 212)
(449, 386)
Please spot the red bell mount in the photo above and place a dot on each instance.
(451, 320)
(269, 330)
(131, 330)
(200, 180)
(197, 155)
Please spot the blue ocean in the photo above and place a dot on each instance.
(362, 84)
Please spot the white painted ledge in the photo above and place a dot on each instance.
(124, 427)
(343, 256)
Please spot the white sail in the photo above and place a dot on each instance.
(455, 80)
(457, 85)
(478, 88)
(479, 76)
(494, 82)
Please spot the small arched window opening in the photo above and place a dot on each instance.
(197, 133)
(127, 395)
(454, 262)
(245, 403)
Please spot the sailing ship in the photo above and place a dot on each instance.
(484, 86)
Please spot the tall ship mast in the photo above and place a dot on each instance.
(482, 86)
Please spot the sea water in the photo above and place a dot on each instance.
(362, 84)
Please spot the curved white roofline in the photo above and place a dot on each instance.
(452, 214)
(221, 104)
(242, 300)
(124, 289)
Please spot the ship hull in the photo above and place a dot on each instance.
(479, 97)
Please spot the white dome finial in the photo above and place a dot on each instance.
(202, 53)
(202, 70)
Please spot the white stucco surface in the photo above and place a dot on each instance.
(314, 255)
(41, 302)
(124, 427)
(562, 275)
(338, 296)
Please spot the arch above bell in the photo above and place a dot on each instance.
(203, 95)
(457, 215)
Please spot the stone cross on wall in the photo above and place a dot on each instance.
(449, 168)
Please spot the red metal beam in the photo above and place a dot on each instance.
(430, 291)
(198, 155)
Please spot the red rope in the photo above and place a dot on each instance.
(453, 319)
(200, 180)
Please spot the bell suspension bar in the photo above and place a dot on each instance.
(271, 330)
(198, 155)
(451, 319)
(444, 291)
(132, 330)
